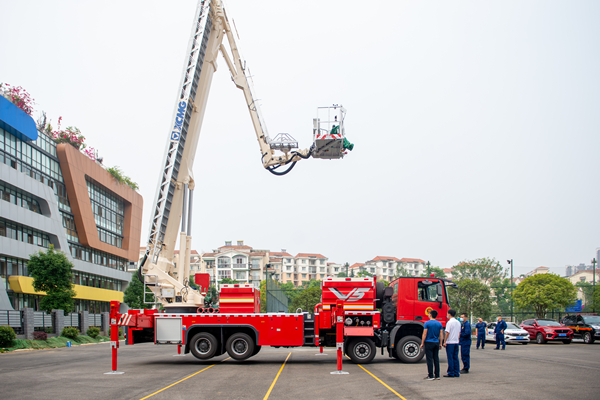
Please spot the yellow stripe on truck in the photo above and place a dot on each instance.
(236, 300)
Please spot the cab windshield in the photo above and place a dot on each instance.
(542, 322)
(592, 319)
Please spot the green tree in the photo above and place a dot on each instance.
(471, 297)
(401, 270)
(364, 273)
(437, 271)
(307, 299)
(588, 290)
(52, 272)
(385, 283)
(342, 275)
(501, 290)
(482, 269)
(228, 281)
(543, 292)
(134, 294)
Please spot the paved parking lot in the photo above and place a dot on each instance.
(550, 371)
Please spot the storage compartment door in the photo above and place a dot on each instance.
(168, 330)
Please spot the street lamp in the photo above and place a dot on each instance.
(593, 283)
(511, 288)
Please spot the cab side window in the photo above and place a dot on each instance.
(396, 288)
(426, 292)
(569, 320)
(528, 322)
(580, 319)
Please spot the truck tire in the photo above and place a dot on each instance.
(256, 350)
(203, 346)
(361, 350)
(587, 338)
(540, 339)
(240, 346)
(408, 349)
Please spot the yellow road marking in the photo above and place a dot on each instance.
(380, 381)
(187, 377)
(273, 384)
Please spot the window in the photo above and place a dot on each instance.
(109, 213)
(426, 292)
(289, 275)
(322, 262)
(304, 276)
(396, 288)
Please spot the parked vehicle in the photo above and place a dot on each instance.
(512, 333)
(544, 330)
(586, 327)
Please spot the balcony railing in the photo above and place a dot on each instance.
(224, 265)
(240, 266)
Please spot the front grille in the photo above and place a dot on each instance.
(562, 331)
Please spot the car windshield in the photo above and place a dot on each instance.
(591, 319)
(542, 322)
(512, 326)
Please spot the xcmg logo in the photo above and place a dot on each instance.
(354, 295)
(176, 133)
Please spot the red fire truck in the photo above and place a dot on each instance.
(372, 316)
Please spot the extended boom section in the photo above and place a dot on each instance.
(165, 274)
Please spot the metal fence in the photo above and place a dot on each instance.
(72, 319)
(277, 301)
(43, 322)
(95, 320)
(14, 319)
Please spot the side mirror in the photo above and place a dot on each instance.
(440, 293)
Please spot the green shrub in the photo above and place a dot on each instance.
(93, 331)
(70, 332)
(7, 335)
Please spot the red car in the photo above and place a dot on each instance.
(543, 330)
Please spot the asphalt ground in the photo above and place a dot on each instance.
(550, 371)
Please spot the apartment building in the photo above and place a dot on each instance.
(239, 262)
(52, 193)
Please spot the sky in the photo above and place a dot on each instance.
(475, 124)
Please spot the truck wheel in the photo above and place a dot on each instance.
(587, 338)
(408, 349)
(240, 346)
(256, 350)
(540, 339)
(361, 350)
(203, 346)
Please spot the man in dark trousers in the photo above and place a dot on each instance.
(432, 342)
(465, 343)
(499, 332)
(480, 326)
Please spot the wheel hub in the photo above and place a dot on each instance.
(411, 349)
(239, 346)
(203, 346)
(362, 350)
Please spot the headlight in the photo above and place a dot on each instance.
(548, 330)
(596, 327)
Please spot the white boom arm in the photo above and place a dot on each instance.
(163, 272)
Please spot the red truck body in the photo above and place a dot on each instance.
(372, 316)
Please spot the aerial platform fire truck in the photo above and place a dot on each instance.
(357, 315)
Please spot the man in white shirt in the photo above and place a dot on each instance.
(451, 345)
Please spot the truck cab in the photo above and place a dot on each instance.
(405, 305)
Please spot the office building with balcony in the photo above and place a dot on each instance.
(53, 194)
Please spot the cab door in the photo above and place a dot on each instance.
(429, 296)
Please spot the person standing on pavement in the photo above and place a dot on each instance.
(465, 343)
(432, 342)
(499, 332)
(480, 326)
(451, 345)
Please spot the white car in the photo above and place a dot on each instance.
(512, 333)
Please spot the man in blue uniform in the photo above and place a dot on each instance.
(465, 343)
(480, 326)
(499, 332)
